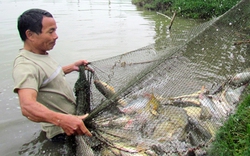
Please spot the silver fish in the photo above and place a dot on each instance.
(233, 95)
(108, 91)
(135, 105)
(223, 107)
(241, 78)
(207, 102)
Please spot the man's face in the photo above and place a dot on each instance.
(46, 40)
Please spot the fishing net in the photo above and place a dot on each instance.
(168, 98)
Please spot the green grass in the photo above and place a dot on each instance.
(202, 9)
(233, 138)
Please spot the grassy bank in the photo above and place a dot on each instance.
(202, 9)
(233, 138)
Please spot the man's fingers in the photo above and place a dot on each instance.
(79, 131)
(69, 132)
(83, 128)
(85, 62)
(89, 69)
(83, 116)
(86, 131)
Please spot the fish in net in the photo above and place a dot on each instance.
(168, 98)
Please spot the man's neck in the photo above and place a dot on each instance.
(32, 49)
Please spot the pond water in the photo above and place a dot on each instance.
(89, 29)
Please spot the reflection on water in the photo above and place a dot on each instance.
(87, 29)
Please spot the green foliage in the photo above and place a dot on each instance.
(233, 137)
(154, 4)
(204, 9)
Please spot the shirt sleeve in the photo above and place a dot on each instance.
(26, 75)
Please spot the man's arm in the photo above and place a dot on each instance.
(37, 112)
(74, 66)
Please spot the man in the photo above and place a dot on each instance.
(44, 95)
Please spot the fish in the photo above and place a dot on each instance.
(142, 103)
(153, 104)
(122, 146)
(193, 95)
(199, 127)
(233, 95)
(188, 100)
(194, 140)
(183, 102)
(116, 121)
(120, 141)
(241, 78)
(211, 127)
(108, 91)
(223, 106)
(134, 106)
(207, 102)
(193, 112)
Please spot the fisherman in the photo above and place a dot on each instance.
(44, 95)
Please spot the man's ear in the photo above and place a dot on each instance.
(29, 34)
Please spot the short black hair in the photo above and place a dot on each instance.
(31, 20)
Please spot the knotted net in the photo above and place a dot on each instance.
(168, 98)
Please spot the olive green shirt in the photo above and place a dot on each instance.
(44, 75)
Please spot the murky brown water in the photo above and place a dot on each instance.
(89, 29)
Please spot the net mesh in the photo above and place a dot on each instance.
(169, 97)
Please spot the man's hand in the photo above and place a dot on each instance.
(79, 63)
(73, 125)
(37, 112)
(74, 66)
